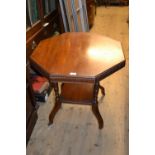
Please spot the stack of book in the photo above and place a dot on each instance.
(37, 9)
(41, 88)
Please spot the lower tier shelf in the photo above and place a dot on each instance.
(77, 93)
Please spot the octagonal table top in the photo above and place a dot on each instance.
(83, 56)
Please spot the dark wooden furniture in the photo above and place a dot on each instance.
(80, 60)
(39, 32)
(91, 11)
(31, 106)
(45, 27)
(112, 2)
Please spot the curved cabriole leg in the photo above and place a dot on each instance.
(102, 90)
(95, 107)
(98, 115)
(57, 105)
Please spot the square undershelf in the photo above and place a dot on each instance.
(77, 93)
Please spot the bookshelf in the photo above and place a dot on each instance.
(37, 10)
(42, 20)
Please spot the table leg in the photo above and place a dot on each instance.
(57, 105)
(102, 90)
(95, 106)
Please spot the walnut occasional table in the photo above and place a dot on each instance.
(79, 60)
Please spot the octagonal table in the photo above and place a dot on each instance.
(78, 60)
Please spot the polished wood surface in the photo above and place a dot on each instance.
(78, 55)
(77, 93)
(75, 57)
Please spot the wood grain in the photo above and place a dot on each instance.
(87, 55)
(77, 93)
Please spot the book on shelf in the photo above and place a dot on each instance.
(52, 5)
(33, 10)
(28, 21)
(29, 10)
(46, 7)
(40, 7)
